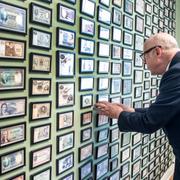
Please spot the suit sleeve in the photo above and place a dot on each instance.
(160, 113)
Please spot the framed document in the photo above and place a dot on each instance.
(13, 18)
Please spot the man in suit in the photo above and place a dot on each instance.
(162, 56)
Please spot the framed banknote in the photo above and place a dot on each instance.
(13, 18)
(85, 170)
(66, 38)
(40, 39)
(103, 49)
(40, 133)
(104, 15)
(86, 65)
(103, 67)
(12, 134)
(116, 16)
(43, 174)
(102, 135)
(125, 154)
(87, 27)
(103, 32)
(11, 49)
(12, 160)
(65, 120)
(65, 94)
(12, 107)
(87, 46)
(69, 176)
(40, 110)
(101, 168)
(117, 3)
(85, 152)
(114, 150)
(88, 7)
(40, 156)
(128, 7)
(86, 83)
(65, 64)
(86, 118)
(40, 14)
(40, 87)
(64, 163)
(21, 176)
(66, 14)
(12, 78)
(102, 150)
(65, 142)
(86, 134)
(86, 100)
(40, 63)
(105, 2)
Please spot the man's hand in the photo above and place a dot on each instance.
(125, 108)
(111, 110)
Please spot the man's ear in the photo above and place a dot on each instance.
(158, 51)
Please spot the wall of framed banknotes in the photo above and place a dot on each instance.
(57, 58)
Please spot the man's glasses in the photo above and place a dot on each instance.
(142, 56)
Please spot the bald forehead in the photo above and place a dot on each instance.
(162, 39)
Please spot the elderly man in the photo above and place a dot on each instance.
(162, 56)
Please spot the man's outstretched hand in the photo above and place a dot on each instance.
(111, 110)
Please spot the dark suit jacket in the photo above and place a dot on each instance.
(164, 113)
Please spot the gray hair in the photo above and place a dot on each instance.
(165, 40)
